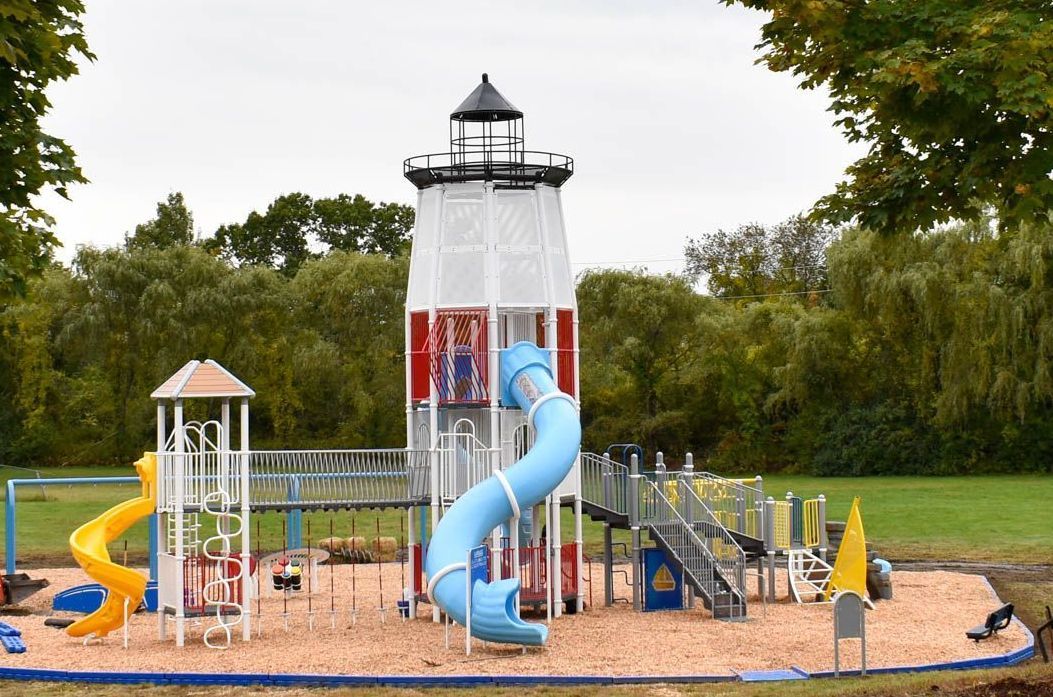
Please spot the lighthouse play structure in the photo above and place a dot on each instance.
(492, 362)
(492, 449)
(493, 432)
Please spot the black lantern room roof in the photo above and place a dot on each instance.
(487, 144)
(485, 103)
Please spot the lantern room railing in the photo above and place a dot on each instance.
(516, 168)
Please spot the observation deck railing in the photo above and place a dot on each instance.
(523, 167)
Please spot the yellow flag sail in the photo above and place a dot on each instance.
(850, 569)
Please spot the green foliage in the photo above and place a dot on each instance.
(638, 340)
(931, 354)
(174, 225)
(954, 98)
(39, 42)
(283, 237)
(755, 259)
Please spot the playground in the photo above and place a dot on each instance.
(461, 556)
(588, 644)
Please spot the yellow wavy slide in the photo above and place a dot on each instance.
(88, 543)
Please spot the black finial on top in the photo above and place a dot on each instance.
(486, 78)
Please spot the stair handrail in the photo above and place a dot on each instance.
(655, 509)
(741, 508)
(729, 554)
(605, 482)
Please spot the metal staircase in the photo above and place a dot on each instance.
(710, 559)
(677, 520)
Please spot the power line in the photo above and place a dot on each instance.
(625, 261)
(647, 261)
(772, 295)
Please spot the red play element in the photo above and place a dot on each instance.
(533, 572)
(419, 356)
(454, 356)
(565, 352)
(418, 564)
(459, 358)
(199, 571)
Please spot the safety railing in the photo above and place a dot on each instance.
(188, 477)
(737, 505)
(729, 556)
(287, 478)
(783, 524)
(333, 477)
(605, 483)
(715, 576)
(811, 534)
(796, 523)
(464, 461)
(515, 166)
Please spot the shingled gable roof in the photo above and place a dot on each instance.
(197, 379)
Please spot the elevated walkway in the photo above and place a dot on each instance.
(297, 479)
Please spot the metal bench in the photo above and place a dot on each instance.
(996, 621)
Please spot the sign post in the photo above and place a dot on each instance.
(849, 623)
(478, 563)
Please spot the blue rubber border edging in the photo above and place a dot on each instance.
(1004, 660)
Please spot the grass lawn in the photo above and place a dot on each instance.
(988, 519)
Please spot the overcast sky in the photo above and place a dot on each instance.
(673, 129)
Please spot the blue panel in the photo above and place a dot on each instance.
(13, 644)
(770, 675)
(663, 589)
(480, 564)
(90, 596)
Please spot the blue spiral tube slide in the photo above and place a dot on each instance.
(526, 381)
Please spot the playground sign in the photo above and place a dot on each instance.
(478, 569)
(478, 566)
(849, 623)
(663, 589)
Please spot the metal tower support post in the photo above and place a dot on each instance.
(579, 547)
(634, 525)
(769, 532)
(246, 511)
(688, 481)
(608, 566)
(824, 542)
(180, 487)
(414, 573)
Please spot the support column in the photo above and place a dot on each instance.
(414, 574)
(156, 543)
(246, 511)
(579, 547)
(180, 488)
(687, 486)
(608, 566)
(550, 593)
(557, 553)
(769, 532)
(824, 542)
(634, 526)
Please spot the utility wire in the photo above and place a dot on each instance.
(772, 295)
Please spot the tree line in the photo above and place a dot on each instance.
(820, 350)
(913, 337)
